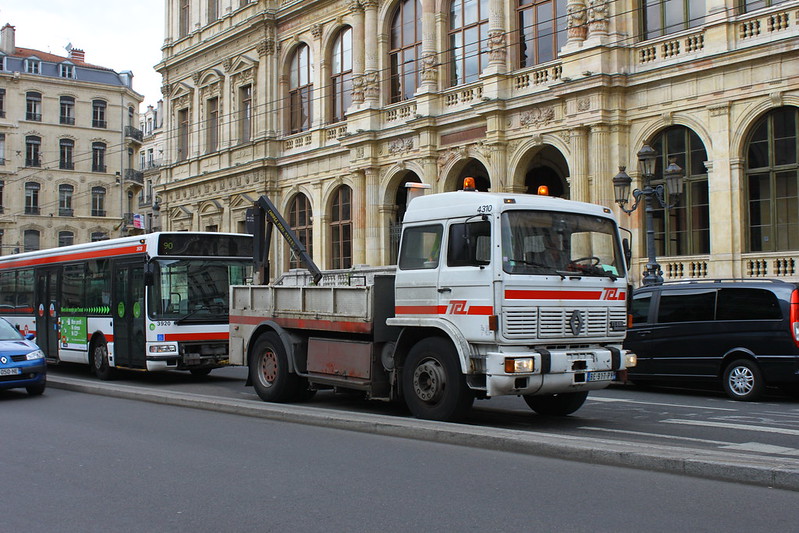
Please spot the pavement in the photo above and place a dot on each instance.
(782, 473)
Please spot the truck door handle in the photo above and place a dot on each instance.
(444, 289)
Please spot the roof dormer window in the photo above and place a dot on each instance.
(33, 66)
(66, 70)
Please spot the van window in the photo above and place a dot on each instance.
(747, 304)
(640, 308)
(695, 305)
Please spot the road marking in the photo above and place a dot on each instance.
(758, 447)
(622, 400)
(726, 425)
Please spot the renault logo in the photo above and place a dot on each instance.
(576, 322)
(3, 359)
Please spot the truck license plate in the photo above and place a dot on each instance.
(601, 376)
(9, 371)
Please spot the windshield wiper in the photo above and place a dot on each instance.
(192, 313)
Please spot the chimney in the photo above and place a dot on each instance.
(76, 54)
(7, 44)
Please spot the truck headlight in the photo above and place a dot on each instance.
(519, 365)
(630, 359)
(163, 348)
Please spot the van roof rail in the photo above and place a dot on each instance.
(723, 280)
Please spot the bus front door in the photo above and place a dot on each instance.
(127, 308)
(47, 309)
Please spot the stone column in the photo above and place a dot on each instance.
(601, 166)
(497, 39)
(576, 29)
(371, 72)
(360, 217)
(724, 182)
(358, 51)
(373, 220)
(598, 21)
(578, 168)
(430, 58)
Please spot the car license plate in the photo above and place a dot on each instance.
(9, 371)
(601, 376)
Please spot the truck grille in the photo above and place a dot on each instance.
(543, 323)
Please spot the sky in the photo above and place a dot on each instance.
(116, 34)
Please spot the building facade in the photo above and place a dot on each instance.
(68, 135)
(331, 107)
(151, 156)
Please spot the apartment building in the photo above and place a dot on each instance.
(332, 107)
(68, 135)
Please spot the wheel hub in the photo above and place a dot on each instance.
(269, 368)
(741, 381)
(429, 381)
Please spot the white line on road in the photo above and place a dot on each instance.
(726, 425)
(657, 435)
(622, 400)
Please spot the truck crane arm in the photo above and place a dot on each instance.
(267, 216)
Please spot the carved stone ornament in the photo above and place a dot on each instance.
(536, 116)
(496, 46)
(357, 89)
(583, 104)
(576, 17)
(598, 15)
(398, 146)
(429, 72)
(372, 85)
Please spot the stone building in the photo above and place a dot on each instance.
(67, 138)
(331, 107)
(151, 156)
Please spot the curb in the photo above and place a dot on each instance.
(772, 472)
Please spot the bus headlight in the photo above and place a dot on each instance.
(163, 348)
(519, 365)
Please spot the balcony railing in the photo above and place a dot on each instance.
(66, 165)
(32, 210)
(99, 123)
(98, 168)
(65, 212)
(136, 176)
(33, 162)
(98, 212)
(37, 117)
(70, 121)
(133, 133)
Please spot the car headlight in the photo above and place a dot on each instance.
(34, 355)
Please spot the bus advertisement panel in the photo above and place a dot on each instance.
(152, 302)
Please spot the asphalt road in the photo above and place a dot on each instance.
(698, 432)
(82, 462)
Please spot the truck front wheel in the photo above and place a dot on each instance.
(432, 383)
(561, 404)
(269, 370)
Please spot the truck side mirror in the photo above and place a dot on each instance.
(628, 253)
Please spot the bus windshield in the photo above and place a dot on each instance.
(565, 244)
(195, 290)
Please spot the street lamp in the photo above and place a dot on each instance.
(673, 175)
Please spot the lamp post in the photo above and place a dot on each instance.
(673, 175)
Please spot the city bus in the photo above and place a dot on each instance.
(150, 302)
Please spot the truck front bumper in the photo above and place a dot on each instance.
(545, 371)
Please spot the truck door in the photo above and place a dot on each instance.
(47, 309)
(417, 280)
(465, 278)
(127, 308)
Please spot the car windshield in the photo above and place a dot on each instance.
(548, 242)
(195, 289)
(8, 332)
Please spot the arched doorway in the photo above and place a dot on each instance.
(474, 169)
(547, 167)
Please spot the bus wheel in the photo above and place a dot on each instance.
(432, 383)
(269, 370)
(561, 404)
(102, 369)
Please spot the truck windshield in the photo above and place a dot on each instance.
(195, 290)
(566, 244)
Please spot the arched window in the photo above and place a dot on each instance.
(98, 157)
(341, 74)
(66, 238)
(31, 240)
(65, 193)
(341, 228)
(468, 33)
(98, 201)
(685, 228)
(66, 153)
(98, 114)
(542, 30)
(33, 155)
(32, 198)
(772, 182)
(662, 17)
(33, 106)
(406, 49)
(300, 215)
(301, 89)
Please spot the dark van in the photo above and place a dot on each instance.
(743, 333)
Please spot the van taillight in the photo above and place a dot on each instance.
(795, 316)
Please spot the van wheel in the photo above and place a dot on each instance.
(743, 380)
(100, 365)
(269, 370)
(561, 404)
(432, 383)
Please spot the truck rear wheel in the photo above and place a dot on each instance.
(269, 370)
(561, 404)
(432, 383)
